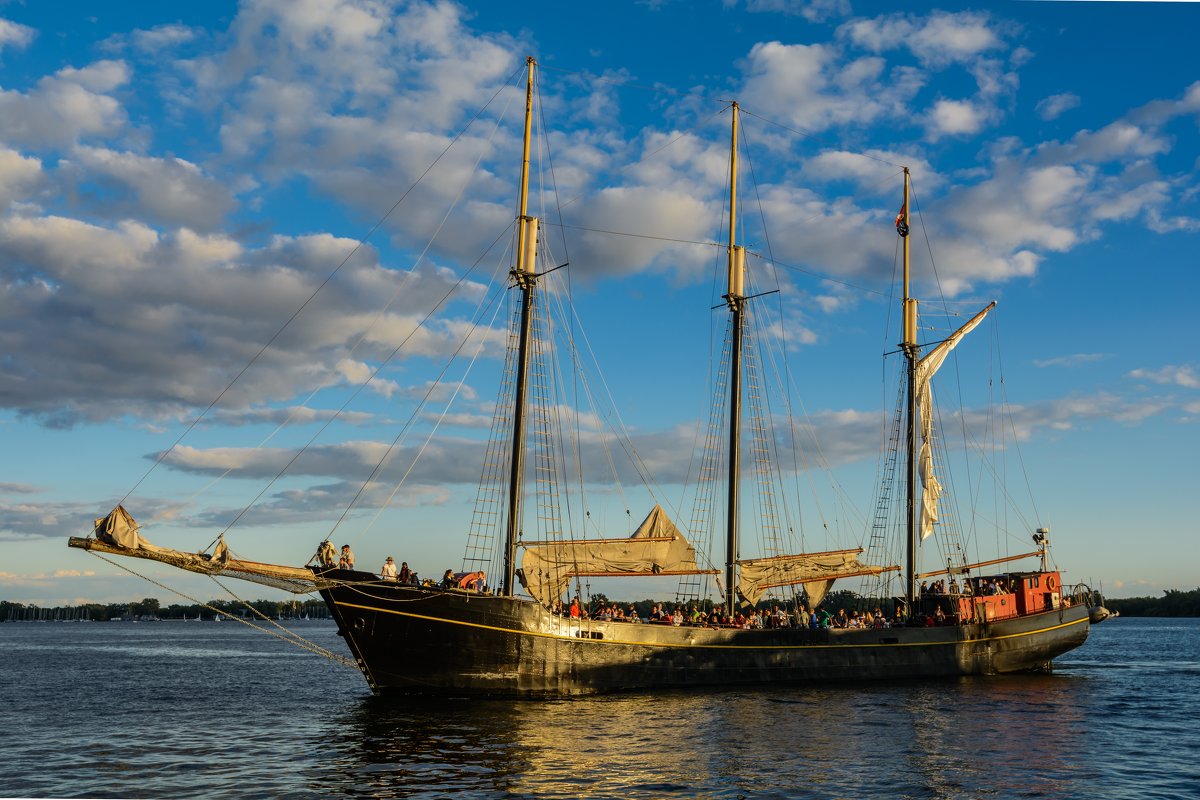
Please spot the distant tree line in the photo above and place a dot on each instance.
(1173, 603)
(151, 608)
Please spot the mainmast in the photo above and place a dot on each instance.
(736, 301)
(912, 356)
(525, 279)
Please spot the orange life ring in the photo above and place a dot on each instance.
(1050, 582)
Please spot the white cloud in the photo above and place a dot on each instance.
(1019, 207)
(1056, 105)
(1117, 140)
(54, 520)
(19, 488)
(69, 106)
(973, 40)
(167, 191)
(812, 10)
(648, 211)
(159, 317)
(872, 171)
(1124, 201)
(291, 415)
(162, 37)
(1073, 360)
(14, 34)
(19, 176)
(936, 40)
(957, 118)
(1184, 375)
(810, 86)
(475, 421)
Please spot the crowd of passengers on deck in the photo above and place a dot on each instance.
(930, 597)
(978, 587)
(753, 619)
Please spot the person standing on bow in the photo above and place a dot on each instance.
(347, 559)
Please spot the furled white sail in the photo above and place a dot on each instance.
(118, 534)
(655, 548)
(817, 571)
(931, 488)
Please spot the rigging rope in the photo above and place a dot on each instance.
(292, 638)
(445, 410)
(386, 361)
(315, 292)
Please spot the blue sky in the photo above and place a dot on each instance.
(175, 181)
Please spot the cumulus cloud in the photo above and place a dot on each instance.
(49, 519)
(814, 89)
(14, 34)
(1118, 140)
(165, 191)
(937, 39)
(974, 41)
(69, 106)
(128, 320)
(20, 176)
(957, 118)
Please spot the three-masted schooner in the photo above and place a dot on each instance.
(452, 638)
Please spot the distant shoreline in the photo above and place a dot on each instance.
(1173, 603)
(149, 610)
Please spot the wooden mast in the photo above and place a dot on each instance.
(525, 279)
(912, 356)
(736, 300)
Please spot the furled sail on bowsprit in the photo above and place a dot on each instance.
(656, 548)
(817, 571)
(931, 488)
(118, 534)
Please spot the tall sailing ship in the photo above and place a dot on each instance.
(461, 636)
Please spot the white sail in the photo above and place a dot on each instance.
(931, 488)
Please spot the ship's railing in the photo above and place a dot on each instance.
(1084, 594)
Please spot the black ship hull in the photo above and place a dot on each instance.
(418, 640)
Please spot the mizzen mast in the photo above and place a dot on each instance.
(736, 300)
(525, 279)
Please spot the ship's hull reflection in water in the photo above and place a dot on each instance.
(1003, 737)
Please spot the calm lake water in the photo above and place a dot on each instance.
(204, 709)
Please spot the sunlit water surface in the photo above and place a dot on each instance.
(204, 709)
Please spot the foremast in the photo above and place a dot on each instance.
(735, 299)
(525, 280)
